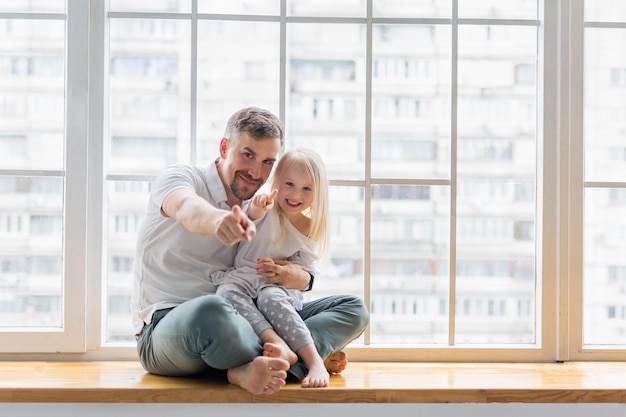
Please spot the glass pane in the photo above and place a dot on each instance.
(182, 6)
(496, 165)
(605, 104)
(327, 8)
(149, 94)
(238, 66)
(126, 206)
(409, 264)
(32, 109)
(412, 8)
(31, 252)
(604, 267)
(326, 109)
(495, 266)
(498, 9)
(36, 6)
(342, 270)
(260, 7)
(411, 101)
(605, 10)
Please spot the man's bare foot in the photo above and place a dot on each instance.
(263, 375)
(336, 363)
(274, 350)
(317, 377)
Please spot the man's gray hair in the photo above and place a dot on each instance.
(257, 122)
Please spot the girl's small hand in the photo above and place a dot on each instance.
(269, 201)
(283, 273)
(264, 202)
(261, 204)
(270, 270)
(264, 266)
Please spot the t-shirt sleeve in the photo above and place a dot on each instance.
(173, 177)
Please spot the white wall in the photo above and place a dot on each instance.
(311, 410)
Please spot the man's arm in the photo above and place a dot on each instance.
(198, 216)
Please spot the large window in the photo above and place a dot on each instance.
(475, 150)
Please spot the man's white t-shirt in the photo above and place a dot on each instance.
(173, 265)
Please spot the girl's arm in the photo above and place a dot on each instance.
(261, 204)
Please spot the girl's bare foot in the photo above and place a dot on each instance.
(317, 377)
(264, 375)
(336, 363)
(275, 350)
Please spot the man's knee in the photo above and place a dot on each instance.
(214, 311)
(359, 311)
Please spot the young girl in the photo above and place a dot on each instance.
(291, 224)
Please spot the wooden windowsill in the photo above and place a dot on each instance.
(362, 382)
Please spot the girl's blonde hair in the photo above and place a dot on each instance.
(319, 211)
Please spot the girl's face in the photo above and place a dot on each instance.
(295, 190)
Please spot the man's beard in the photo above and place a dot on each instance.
(244, 192)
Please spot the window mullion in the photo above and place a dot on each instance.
(193, 93)
(76, 152)
(367, 192)
(454, 58)
(548, 329)
(575, 179)
(97, 114)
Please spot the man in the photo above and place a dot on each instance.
(193, 222)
